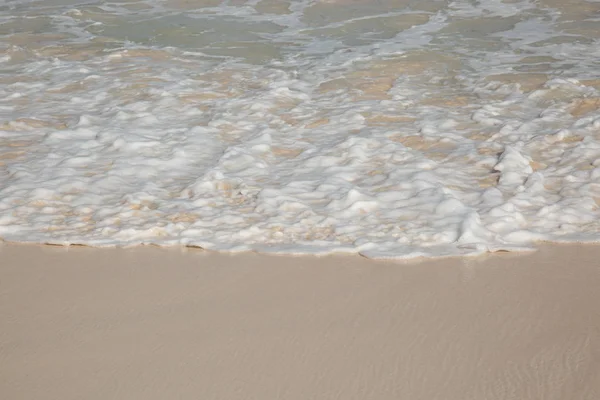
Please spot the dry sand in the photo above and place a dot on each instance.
(150, 323)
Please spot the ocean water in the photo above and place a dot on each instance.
(389, 128)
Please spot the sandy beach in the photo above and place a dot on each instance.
(151, 323)
(172, 143)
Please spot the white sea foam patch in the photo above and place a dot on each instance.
(401, 145)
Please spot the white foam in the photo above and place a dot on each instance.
(428, 141)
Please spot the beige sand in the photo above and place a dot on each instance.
(151, 323)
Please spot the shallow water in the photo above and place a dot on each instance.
(387, 128)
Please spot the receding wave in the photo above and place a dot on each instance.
(390, 129)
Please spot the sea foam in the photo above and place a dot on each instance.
(393, 131)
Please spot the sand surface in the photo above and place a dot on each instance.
(150, 323)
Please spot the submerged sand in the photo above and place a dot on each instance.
(151, 323)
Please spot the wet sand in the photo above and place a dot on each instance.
(151, 323)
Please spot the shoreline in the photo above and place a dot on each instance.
(155, 323)
(531, 248)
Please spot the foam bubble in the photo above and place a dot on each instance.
(300, 127)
